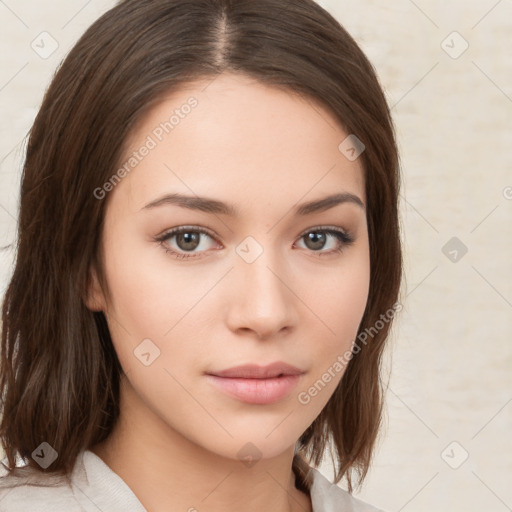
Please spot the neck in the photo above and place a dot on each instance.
(165, 470)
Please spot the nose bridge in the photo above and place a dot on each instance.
(261, 300)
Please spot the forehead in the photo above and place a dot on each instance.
(237, 138)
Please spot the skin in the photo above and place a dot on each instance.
(263, 151)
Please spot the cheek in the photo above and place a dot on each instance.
(143, 302)
(352, 294)
(154, 300)
(146, 293)
(338, 299)
(339, 305)
(139, 296)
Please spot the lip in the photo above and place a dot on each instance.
(257, 384)
(253, 371)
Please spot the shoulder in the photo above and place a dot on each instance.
(28, 490)
(329, 497)
(92, 486)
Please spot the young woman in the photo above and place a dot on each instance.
(207, 269)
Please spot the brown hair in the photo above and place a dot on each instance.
(59, 371)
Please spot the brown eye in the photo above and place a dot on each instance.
(182, 242)
(188, 240)
(317, 239)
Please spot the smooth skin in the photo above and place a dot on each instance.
(263, 151)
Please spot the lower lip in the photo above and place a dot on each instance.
(256, 391)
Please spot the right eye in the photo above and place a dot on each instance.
(186, 240)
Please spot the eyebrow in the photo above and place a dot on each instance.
(208, 205)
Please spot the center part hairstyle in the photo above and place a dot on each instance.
(60, 374)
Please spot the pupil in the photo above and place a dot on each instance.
(187, 241)
(317, 239)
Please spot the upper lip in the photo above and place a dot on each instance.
(252, 371)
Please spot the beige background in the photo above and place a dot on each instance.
(451, 354)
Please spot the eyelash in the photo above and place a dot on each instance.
(343, 236)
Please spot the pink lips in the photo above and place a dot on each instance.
(257, 384)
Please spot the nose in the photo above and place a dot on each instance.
(261, 298)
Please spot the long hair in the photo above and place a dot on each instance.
(60, 374)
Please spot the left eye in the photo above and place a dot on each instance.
(188, 239)
(316, 239)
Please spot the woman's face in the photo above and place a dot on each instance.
(267, 269)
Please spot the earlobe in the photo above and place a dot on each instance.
(94, 298)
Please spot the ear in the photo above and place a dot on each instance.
(94, 297)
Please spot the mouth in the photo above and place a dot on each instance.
(253, 371)
(257, 384)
